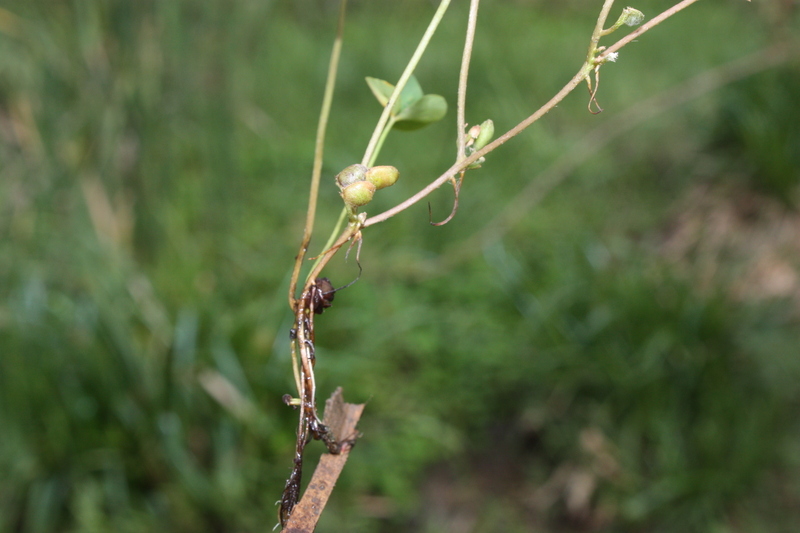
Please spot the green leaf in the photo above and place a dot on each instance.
(411, 93)
(383, 90)
(426, 110)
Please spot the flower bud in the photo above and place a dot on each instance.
(358, 193)
(350, 175)
(382, 176)
(631, 16)
(473, 134)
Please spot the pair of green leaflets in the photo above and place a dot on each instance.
(414, 109)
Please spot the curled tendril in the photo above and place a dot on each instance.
(456, 189)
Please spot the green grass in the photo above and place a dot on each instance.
(154, 160)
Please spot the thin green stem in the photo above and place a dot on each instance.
(344, 214)
(381, 140)
(584, 71)
(598, 30)
(409, 70)
(382, 129)
(319, 149)
(331, 239)
(461, 105)
(655, 21)
(594, 141)
(351, 230)
(464, 163)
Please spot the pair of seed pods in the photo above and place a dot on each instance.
(357, 183)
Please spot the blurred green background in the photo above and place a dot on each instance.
(621, 356)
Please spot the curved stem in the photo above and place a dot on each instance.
(319, 149)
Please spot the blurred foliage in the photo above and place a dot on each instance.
(598, 366)
(763, 150)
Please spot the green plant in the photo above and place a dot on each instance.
(405, 107)
(147, 152)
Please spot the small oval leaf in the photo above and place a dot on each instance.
(428, 109)
(411, 93)
(382, 90)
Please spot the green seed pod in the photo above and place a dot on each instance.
(350, 175)
(485, 135)
(382, 176)
(358, 193)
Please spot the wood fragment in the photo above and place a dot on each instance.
(341, 418)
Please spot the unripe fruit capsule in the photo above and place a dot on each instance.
(485, 134)
(350, 175)
(382, 176)
(358, 193)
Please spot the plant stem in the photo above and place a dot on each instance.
(319, 149)
(382, 128)
(385, 133)
(594, 141)
(655, 21)
(351, 230)
(336, 229)
(338, 226)
(412, 64)
(585, 70)
(464, 163)
(598, 30)
(461, 105)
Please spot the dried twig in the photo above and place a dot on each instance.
(341, 418)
